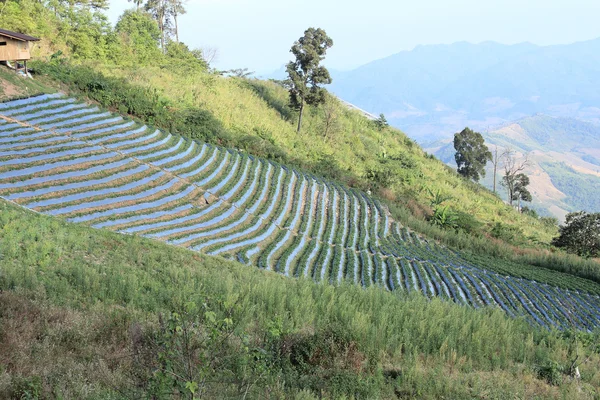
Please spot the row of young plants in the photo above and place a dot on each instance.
(97, 168)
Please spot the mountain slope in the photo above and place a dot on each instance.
(564, 170)
(72, 160)
(433, 91)
(76, 303)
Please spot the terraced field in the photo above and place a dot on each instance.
(72, 160)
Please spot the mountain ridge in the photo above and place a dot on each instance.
(433, 90)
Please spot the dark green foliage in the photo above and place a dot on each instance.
(305, 74)
(507, 233)
(551, 372)
(144, 103)
(529, 211)
(328, 361)
(520, 191)
(140, 32)
(471, 154)
(516, 184)
(550, 221)
(444, 217)
(467, 223)
(580, 234)
(186, 61)
(193, 346)
(383, 175)
(381, 123)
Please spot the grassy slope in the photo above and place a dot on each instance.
(352, 148)
(13, 86)
(355, 145)
(72, 294)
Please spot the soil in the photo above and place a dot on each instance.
(8, 90)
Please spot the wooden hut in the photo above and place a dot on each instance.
(15, 46)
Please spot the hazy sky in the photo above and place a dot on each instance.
(258, 34)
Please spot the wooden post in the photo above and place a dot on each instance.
(25, 67)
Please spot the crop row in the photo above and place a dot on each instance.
(65, 158)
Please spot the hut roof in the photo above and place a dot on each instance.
(18, 36)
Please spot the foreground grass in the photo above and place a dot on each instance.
(78, 304)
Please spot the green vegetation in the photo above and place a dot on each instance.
(252, 115)
(305, 74)
(580, 234)
(581, 189)
(471, 154)
(92, 314)
(87, 313)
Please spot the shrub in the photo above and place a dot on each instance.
(550, 372)
(506, 233)
(580, 234)
(467, 223)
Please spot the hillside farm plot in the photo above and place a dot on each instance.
(65, 158)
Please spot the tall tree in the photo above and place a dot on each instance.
(140, 33)
(177, 8)
(513, 169)
(160, 10)
(471, 154)
(137, 3)
(305, 73)
(521, 193)
(580, 234)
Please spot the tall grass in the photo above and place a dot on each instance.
(408, 337)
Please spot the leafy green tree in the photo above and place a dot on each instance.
(520, 192)
(471, 154)
(140, 35)
(161, 11)
(305, 73)
(580, 234)
(190, 60)
(381, 123)
(177, 8)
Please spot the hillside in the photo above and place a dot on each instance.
(166, 233)
(433, 91)
(72, 160)
(564, 171)
(81, 312)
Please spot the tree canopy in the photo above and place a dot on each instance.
(471, 154)
(305, 72)
(140, 31)
(580, 234)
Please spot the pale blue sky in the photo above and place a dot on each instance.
(259, 33)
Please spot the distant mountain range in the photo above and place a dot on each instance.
(564, 155)
(433, 91)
